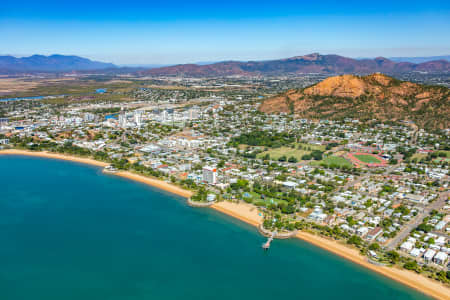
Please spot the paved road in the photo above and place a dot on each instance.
(415, 134)
(438, 233)
(406, 230)
(388, 170)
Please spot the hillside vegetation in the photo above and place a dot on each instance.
(375, 96)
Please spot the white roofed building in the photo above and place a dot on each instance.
(440, 258)
(429, 254)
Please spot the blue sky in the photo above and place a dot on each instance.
(166, 32)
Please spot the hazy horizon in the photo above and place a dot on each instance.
(139, 32)
(212, 62)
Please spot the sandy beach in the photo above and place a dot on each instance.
(249, 214)
(423, 284)
(156, 183)
(54, 155)
(242, 211)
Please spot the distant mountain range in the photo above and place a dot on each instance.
(312, 63)
(418, 60)
(144, 66)
(52, 63)
(366, 97)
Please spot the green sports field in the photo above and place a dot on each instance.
(298, 151)
(333, 160)
(337, 161)
(368, 159)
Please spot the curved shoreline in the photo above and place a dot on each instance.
(199, 204)
(280, 236)
(413, 280)
(160, 184)
(249, 214)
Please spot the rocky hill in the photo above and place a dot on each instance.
(312, 63)
(366, 97)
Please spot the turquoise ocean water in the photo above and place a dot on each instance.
(67, 231)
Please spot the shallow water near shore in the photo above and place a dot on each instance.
(67, 231)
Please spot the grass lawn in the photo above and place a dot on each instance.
(333, 160)
(256, 199)
(310, 146)
(419, 156)
(252, 195)
(278, 152)
(368, 159)
(268, 201)
(337, 160)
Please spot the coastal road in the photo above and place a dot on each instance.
(406, 230)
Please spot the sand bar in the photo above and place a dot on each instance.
(249, 214)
